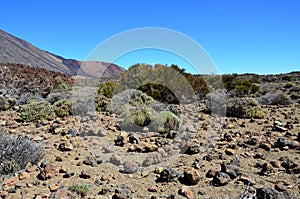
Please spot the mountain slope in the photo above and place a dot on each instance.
(16, 50)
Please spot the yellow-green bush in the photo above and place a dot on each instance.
(107, 88)
(35, 111)
(134, 119)
(244, 108)
(63, 107)
(102, 103)
(4, 104)
(164, 121)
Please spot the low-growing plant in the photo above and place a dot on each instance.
(241, 87)
(159, 93)
(16, 152)
(35, 111)
(164, 122)
(289, 85)
(274, 99)
(134, 119)
(107, 88)
(63, 107)
(59, 84)
(129, 97)
(216, 102)
(244, 108)
(80, 189)
(4, 103)
(287, 78)
(102, 103)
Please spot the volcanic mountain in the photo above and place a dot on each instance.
(17, 51)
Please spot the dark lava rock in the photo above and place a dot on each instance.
(210, 173)
(116, 160)
(298, 137)
(85, 174)
(269, 193)
(241, 144)
(208, 158)
(98, 182)
(267, 169)
(221, 179)
(120, 141)
(69, 174)
(167, 175)
(133, 139)
(280, 143)
(288, 164)
(252, 141)
(266, 146)
(190, 177)
(129, 167)
(90, 160)
(231, 168)
(72, 132)
(227, 137)
(122, 192)
(47, 171)
(192, 148)
(171, 134)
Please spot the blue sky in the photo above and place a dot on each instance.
(255, 36)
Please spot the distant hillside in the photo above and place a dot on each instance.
(18, 51)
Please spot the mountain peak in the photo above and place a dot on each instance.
(19, 51)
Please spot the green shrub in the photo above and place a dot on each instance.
(102, 103)
(63, 107)
(59, 84)
(244, 108)
(241, 87)
(80, 189)
(16, 152)
(137, 110)
(289, 85)
(216, 102)
(159, 93)
(164, 122)
(107, 89)
(162, 83)
(287, 78)
(134, 119)
(4, 103)
(131, 98)
(274, 99)
(35, 111)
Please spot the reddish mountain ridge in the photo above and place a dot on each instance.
(18, 51)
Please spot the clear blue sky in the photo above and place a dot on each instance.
(256, 36)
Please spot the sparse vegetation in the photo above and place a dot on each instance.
(244, 108)
(35, 111)
(4, 104)
(107, 88)
(16, 152)
(164, 122)
(275, 99)
(80, 189)
(59, 84)
(63, 107)
(240, 87)
(102, 103)
(216, 102)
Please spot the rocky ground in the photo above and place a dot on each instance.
(92, 156)
(247, 157)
